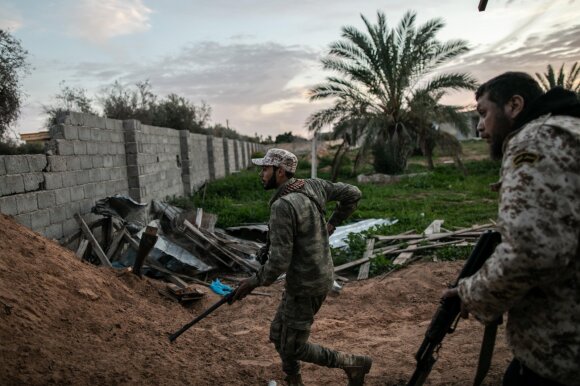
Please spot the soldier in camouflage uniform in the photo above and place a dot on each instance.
(298, 246)
(534, 274)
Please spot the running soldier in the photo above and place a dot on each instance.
(298, 246)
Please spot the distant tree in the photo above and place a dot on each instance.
(120, 102)
(380, 71)
(286, 137)
(13, 66)
(68, 99)
(569, 81)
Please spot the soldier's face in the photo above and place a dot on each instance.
(495, 123)
(268, 177)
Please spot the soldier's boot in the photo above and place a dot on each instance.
(294, 380)
(355, 367)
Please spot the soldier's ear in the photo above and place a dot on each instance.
(514, 106)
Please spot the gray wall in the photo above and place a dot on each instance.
(90, 158)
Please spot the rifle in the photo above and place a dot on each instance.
(447, 315)
(225, 299)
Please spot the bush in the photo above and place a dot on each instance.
(10, 148)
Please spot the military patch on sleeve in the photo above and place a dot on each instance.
(525, 157)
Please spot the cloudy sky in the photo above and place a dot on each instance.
(253, 60)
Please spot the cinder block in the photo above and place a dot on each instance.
(2, 166)
(131, 148)
(98, 161)
(96, 135)
(56, 163)
(16, 164)
(92, 148)
(85, 133)
(82, 177)
(108, 161)
(57, 214)
(86, 205)
(95, 175)
(69, 179)
(24, 219)
(64, 147)
(71, 209)
(77, 193)
(53, 181)
(90, 190)
(62, 196)
(8, 205)
(11, 184)
(73, 163)
(46, 199)
(100, 191)
(69, 227)
(113, 124)
(86, 162)
(26, 203)
(71, 132)
(53, 231)
(79, 147)
(40, 219)
(33, 181)
(37, 162)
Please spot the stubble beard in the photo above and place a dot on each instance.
(505, 127)
(271, 183)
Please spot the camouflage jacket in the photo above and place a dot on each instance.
(534, 274)
(298, 236)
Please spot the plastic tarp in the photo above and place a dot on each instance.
(165, 248)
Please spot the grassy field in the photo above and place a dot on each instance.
(444, 193)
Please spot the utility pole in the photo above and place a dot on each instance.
(313, 158)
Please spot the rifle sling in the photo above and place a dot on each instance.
(486, 352)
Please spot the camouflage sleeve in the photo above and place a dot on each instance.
(347, 197)
(538, 218)
(281, 243)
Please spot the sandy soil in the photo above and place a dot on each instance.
(74, 323)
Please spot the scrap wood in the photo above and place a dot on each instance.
(363, 260)
(363, 272)
(114, 246)
(215, 244)
(94, 243)
(77, 234)
(83, 244)
(403, 257)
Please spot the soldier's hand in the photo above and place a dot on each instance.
(454, 292)
(330, 228)
(244, 289)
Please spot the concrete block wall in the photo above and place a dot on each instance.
(90, 158)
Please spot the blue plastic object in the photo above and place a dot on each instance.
(219, 288)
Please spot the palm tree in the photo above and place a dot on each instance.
(569, 81)
(380, 71)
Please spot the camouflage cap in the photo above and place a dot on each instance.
(278, 157)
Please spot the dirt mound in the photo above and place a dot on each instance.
(74, 323)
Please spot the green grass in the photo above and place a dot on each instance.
(444, 193)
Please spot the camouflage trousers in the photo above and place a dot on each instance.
(290, 331)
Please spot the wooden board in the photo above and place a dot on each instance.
(363, 272)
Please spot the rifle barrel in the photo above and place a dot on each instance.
(211, 309)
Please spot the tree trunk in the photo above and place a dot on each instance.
(337, 161)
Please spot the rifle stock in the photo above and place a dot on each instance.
(447, 314)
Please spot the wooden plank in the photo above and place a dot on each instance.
(404, 256)
(363, 272)
(115, 243)
(94, 243)
(362, 260)
(84, 243)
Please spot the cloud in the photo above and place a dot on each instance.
(100, 20)
(255, 86)
(9, 19)
(537, 51)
